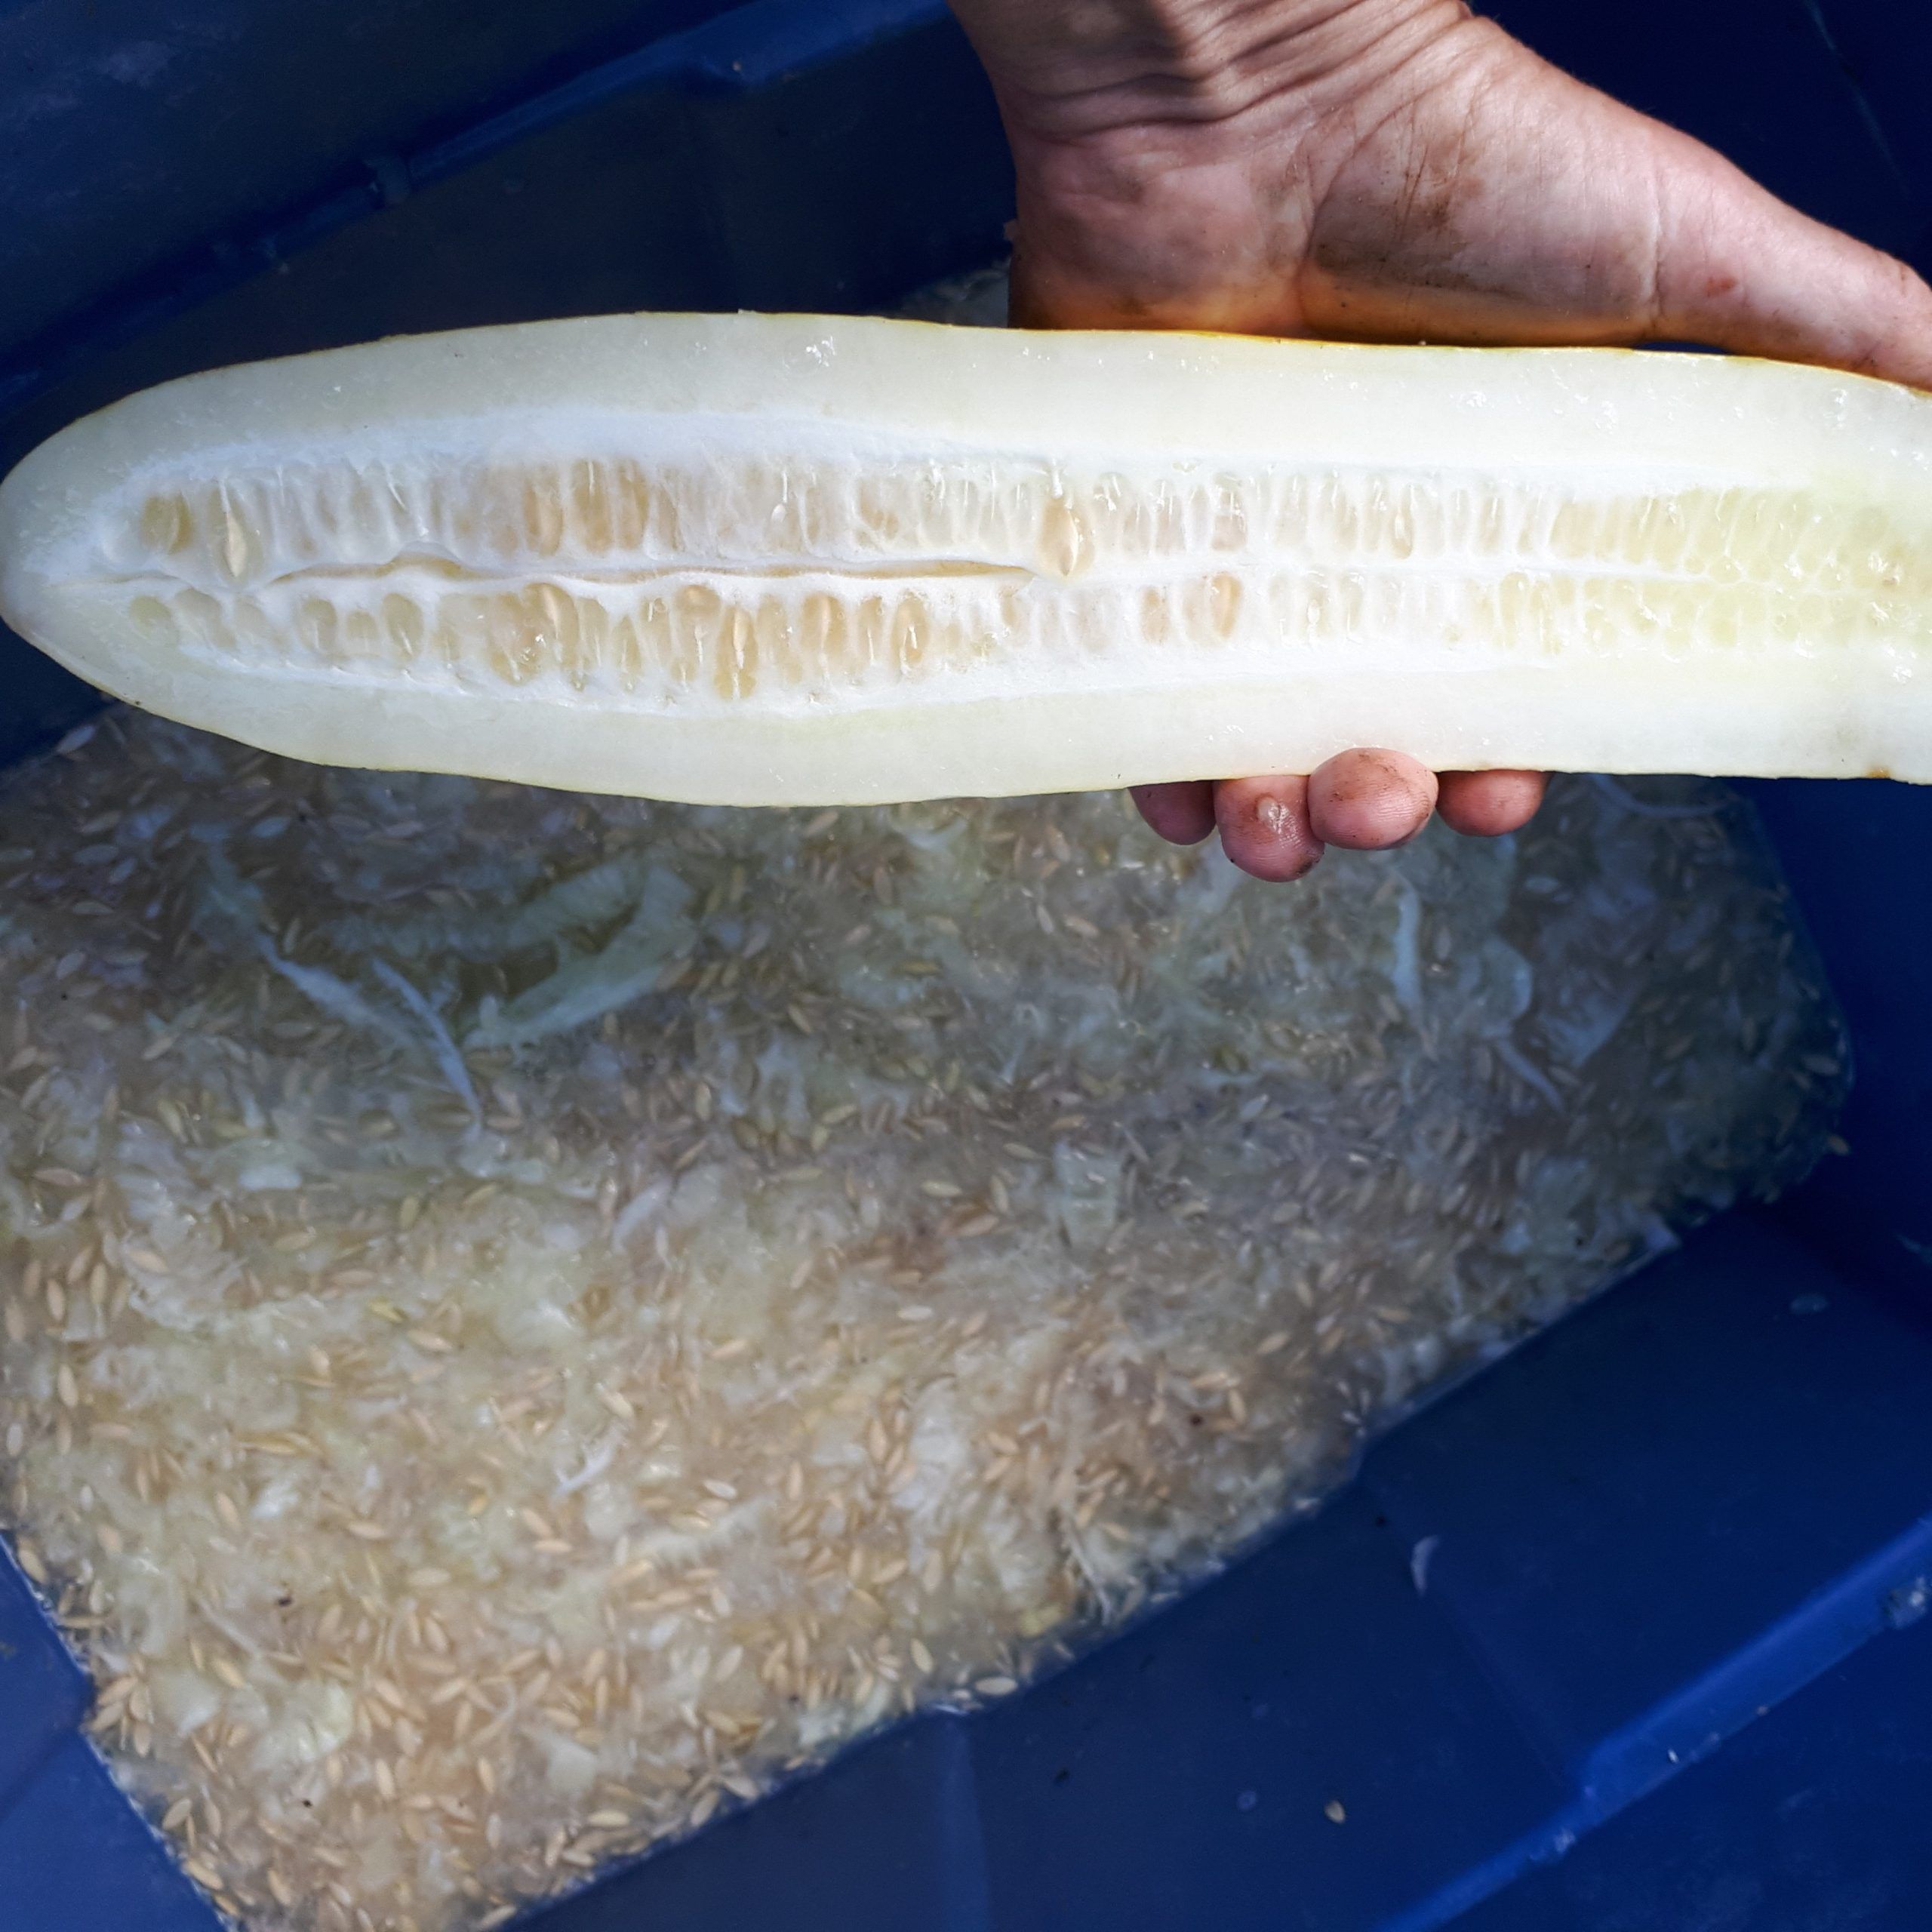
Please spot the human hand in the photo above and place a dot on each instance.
(1393, 171)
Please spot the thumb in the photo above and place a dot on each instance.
(1739, 269)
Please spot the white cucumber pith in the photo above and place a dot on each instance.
(801, 560)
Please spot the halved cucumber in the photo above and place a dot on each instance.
(795, 559)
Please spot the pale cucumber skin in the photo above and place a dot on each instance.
(1613, 419)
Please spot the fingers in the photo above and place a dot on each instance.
(1369, 801)
(1484, 804)
(1265, 827)
(1278, 828)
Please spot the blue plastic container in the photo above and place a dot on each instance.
(1665, 1665)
